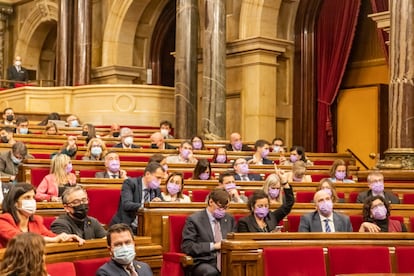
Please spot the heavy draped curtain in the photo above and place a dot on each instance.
(335, 31)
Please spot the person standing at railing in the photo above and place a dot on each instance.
(17, 72)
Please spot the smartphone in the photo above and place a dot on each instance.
(278, 228)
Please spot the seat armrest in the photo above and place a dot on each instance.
(176, 257)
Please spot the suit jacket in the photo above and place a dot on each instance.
(89, 228)
(249, 224)
(389, 196)
(13, 74)
(312, 223)
(252, 177)
(119, 145)
(104, 174)
(131, 200)
(265, 161)
(7, 167)
(197, 236)
(229, 147)
(112, 268)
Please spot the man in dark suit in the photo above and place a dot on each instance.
(16, 72)
(376, 187)
(121, 244)
(236, 143)
(262, 148)
(324, 219)
(158, 142)
(203, 232)
(136, 191)
(241, 170)
(113, 167)
(127, 139)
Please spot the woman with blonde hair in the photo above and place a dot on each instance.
(298, 173)
(52, 185)
(327, 185)
(273, 188)
(96, 150)
(25, 255)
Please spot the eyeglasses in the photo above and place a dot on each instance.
(77, 202)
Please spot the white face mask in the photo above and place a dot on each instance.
(29, 206)
(128, 141)
(18, 63)
(124, 254)
(164, 132)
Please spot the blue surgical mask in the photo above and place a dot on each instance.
(96, 151)
(124, 254)
(16, 160)
(24, 130)
(74, 123)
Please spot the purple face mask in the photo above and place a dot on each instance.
(221, 158)
(185, 153)
(219, 213)
(197, 145)
(293, 158)
(114, 166)
(173, 188)
(379, 212)
(265, 153)
(204, 176)
(230, 186)
(165, 167)
(238, 145)
(325, 207)
(297, 179)
(377, 187)
(69, 168)
(154, 183)
(244, 168)
(340, 175)
(274, 193)
(261, 212)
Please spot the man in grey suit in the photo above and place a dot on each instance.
(324, 219)
(121, 244)
(203, 232)
(113, 167)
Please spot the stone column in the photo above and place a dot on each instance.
(4, 12)
(64, 48)
(82, 47)
(214, 70)
(400, 153)
(186, 68)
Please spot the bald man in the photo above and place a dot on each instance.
(17, 72)
(236, 143)
(324, 218)
(158, 142)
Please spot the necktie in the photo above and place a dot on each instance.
(217, 238)
(245, 177)
(114, 176)
(131, 270)
(327, 227)
(146, 195)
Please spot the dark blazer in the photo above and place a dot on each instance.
(197, 236)
(229, 147)
(119, 145)
(13, 74)
(389, 196)
(88, 229)
(249, 224)
(112, 268)
(252, 177)
(130, 201)
(265, 161)
(103, 174)
(7, 167)
(312, 223)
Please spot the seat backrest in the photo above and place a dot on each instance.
(89, 173)
(356, 221)
(90, 266)
(175, 231)
(408, 198)
(404, 256)
(304, 196)
(353, 197)
(199, 195)
(37, 175)
(103, 204)
(293, 221)
(319, 177)
(47, 221)
(61, 269)
(285, 261)
(359, 259)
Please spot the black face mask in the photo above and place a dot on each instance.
(4, 139)
(10, 118)
(84, 133)
(80, 211)
(154, 146)
(115, 134)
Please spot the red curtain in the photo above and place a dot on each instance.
(335, 32)
(380, 6)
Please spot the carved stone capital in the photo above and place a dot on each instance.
(397, 158)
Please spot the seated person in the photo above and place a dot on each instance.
(339, 172)
(127, 139)
(174, 189)
(161, 159)
(121, 245)
(89, 131)
(69, 148)
(185, 154)
(113, 167)
(8, 117)
(158, 142)
(273, 188)
(298, 173)
(114, 131)
(324, 219)
(376, 187)
(203, 232)
(73, 121)
(241, 171)
(60, 177)
(96, 150)
(202, 170)
(198, 143)
(18, 216)
(296, 153)
(376, 216)
(227, 181)
(278, 145)
(11, 160)
(165, 129)
(22, 125)
(236, 143)
(6, 136)
(262, 151)
(136, 191)
(51, 129)
(220, 156)
(54, 116)
(328, 186)
(76, 220)
(260, 220)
